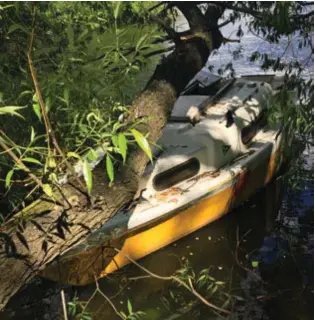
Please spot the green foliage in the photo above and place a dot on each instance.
(90, 61)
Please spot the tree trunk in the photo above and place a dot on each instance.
(44, 230)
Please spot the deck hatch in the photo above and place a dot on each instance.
(177, 174)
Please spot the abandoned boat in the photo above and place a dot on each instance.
(216, 150)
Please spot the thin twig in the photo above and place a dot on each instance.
(20, 163)
(49, 131)
(179, 281)
(64, 306)
(238, 240)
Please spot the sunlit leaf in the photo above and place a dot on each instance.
(31, 160)
(73, 155)
(110, 168)
(48, 190)
(87, 174)
(37, 111)
(8, 178)
(142, 142)
(92, 155)
(51, 162)
(129, 306)
(122, 144)
(116, 11)
(141, 41)
(32, 134)
(255, 264)
(11, 110)
(115, 140)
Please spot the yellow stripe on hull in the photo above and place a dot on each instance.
(191, 219)
(180, 225)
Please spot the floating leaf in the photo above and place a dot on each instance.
(48, 190)
(110, 168)
(87, 174)
(122, 144)
(8, 178)
(142, 142)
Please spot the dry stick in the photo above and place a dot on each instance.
(98, 290)
(38, 93)
(64, 307)
(107, 299)
(167, 278)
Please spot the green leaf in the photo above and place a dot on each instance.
(31, 160)
(51, 162)
(32, 134)
(255, 264)
(66, 95)
(115, 140)
(129, 306)
(16, 27)
(142, 142)
(8, 178)
(48, 190)
(110, 168)
(37, 111)
(122, 144)
(116, 11)
(92, 155)
(48, 104)
(87, 174)
(73, 155)
(35, 98)
(11, 110)
(141, 41)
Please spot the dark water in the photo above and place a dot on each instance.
(276, 232)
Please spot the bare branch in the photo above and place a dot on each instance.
(193, 15)
(225, 23)
(169, 30)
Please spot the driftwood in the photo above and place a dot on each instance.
(46, 230)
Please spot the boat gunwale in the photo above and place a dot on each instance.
(111, 233)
